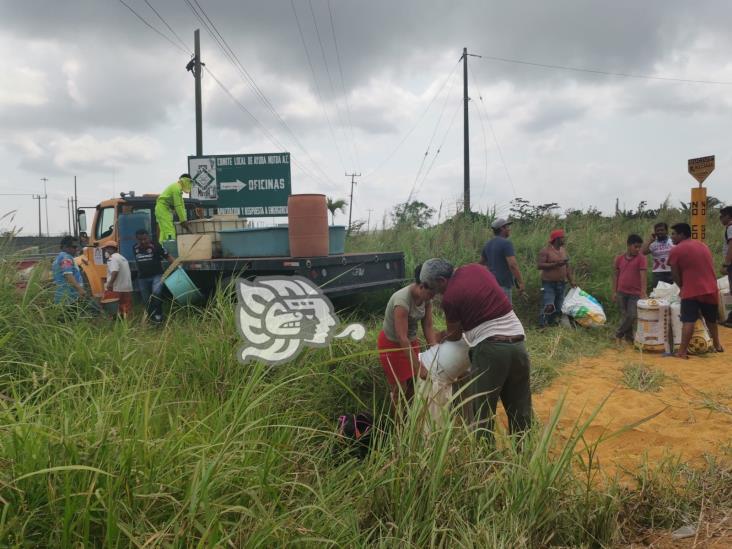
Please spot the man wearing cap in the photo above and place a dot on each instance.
(476, 309)
(169, 202)
(66, 274)
(500, 258)
(553, 262)
(119, 278)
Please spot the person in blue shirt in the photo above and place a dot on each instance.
(499, 256)
(66, 274)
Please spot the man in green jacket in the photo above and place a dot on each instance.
(171, 201)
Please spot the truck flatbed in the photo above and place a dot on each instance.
(336, 274)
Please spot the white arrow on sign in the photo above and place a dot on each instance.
(232, 185)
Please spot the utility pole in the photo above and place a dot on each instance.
(350, 203)
(194, 65)
(466, 136)
(45, 197)
(76, 207)
(39, 197)
(368, 223)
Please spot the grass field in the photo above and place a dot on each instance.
(115, 434)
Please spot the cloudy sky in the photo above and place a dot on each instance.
(90, 90)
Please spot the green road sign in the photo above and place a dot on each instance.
(251, 185)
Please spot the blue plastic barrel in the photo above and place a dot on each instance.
(128, 226)
(337, 240)
(182, 287)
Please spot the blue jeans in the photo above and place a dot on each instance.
(509, 292)
(552, 298)
(151, 290)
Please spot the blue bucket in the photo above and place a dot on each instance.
(182, 287)
(337, 240)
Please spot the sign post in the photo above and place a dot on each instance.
(699, 168)
(248, 185)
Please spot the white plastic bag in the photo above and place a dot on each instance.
(667, 292)
(584, 308)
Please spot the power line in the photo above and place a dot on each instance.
(246, 77)
(495, 140)
(182, 42)
(439, 149)
(317, 86)
(266, 132)
(327, 71)
(343, 86)
(432, 137)
(141, 18)
(485, 141)
(409, 132)
(605, 73)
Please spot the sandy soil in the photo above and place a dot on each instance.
(694, 406)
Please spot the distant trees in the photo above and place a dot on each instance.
(413, 214)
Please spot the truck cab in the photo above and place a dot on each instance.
(105, 227)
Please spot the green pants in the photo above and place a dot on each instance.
(501, 370)
(164, 217)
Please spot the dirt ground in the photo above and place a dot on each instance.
(694, 406)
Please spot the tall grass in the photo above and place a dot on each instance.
(117, 434)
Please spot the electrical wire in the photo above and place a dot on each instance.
(439, 149)
(317, 86)
(141, 18)
(266, 132)
(229, 53)
(495, 140)
(343, 86)
(432, 137)
(485, 140)
(180, 40)
(409, 132)
(330, 79)
(605, 73)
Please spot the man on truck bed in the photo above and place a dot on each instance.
(171, 201)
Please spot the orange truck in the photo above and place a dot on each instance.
(338, 275)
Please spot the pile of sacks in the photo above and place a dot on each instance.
(659, 323)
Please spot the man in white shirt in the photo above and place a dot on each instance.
(119, 278)
(659, 246)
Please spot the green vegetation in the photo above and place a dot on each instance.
(643, 378)
(115, 434)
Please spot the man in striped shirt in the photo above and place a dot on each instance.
(477, 309)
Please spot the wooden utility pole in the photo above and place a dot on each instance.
(194, 66)
(466, 136)
(45, 197)
(76, 211)
(197, 76)
(350, 203)
(39, 198)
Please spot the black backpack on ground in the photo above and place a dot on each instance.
(355, 432)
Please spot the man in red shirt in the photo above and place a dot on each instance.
(629, 285)
(693, 271)
(477, 309)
